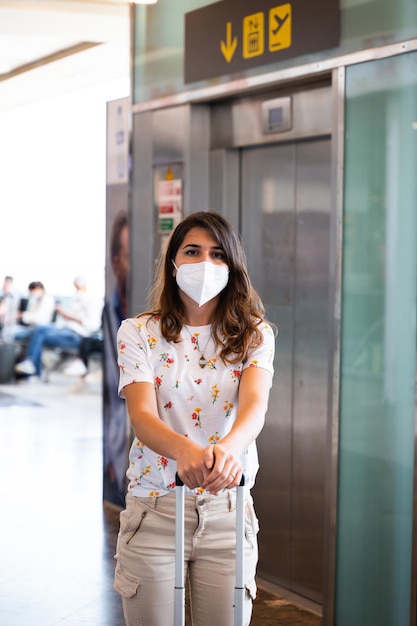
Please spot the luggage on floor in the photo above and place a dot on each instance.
(7, 361)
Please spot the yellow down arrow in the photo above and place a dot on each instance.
(228, 49)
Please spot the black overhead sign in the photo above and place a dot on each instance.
(235, 35)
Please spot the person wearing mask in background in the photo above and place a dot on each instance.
(195, 372)
(80, 320)
(39, 311)
(114, 310)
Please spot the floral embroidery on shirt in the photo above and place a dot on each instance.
(215, 393)
(214, 438)
(198, 381)
(177, 384)
(158, 382)
(196, 417)
(154, 494)
(145, 471)
(140, 447)
(253, 363)
(162, 462)
(166, 359)
(151, 341)
(211, 363)
(168, 405)
(133, 483)
(194, 341)
(122, 346)
(171, 485)
(228, 408)
(236, 375)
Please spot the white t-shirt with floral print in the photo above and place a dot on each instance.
(198, 402)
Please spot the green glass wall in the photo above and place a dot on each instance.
(159, 41)
(376, 438)
(158, 61)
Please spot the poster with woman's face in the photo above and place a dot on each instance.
(116, 430)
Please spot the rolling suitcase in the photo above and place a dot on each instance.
(7, 361)
(179, 554)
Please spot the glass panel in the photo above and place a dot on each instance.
(378, 345)
(159, 47)
(159, 41)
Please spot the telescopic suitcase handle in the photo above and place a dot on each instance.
(179, 599)
(240, 555)
(239, 597)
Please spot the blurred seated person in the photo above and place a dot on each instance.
(89, 345)
(8, 305)
(39, 311)
(81, 319)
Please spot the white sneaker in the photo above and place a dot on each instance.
(25, 367)
(75, 368)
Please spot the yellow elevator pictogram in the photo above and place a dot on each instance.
(253, 35)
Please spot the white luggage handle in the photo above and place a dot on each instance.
(239, 596)
(240, 555)
(179, 598)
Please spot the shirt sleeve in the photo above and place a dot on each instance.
(263, 355)
(133, 349)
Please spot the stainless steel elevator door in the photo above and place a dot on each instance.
(285, 213)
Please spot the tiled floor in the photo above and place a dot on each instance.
(56, 539)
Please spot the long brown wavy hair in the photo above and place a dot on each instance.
(235, 326)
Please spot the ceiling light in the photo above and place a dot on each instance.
(135, 1)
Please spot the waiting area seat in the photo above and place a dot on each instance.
(57, 359)
(53, 359)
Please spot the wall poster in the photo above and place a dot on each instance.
(116, 429)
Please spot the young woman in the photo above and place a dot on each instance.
(195, 372)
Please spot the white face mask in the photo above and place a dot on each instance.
(202, 281)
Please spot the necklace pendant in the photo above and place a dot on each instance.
(202, 362)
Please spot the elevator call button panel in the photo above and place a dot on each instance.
(277, 115)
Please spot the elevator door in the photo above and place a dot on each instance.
(285, 214)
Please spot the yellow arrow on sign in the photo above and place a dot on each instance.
(228, 49)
